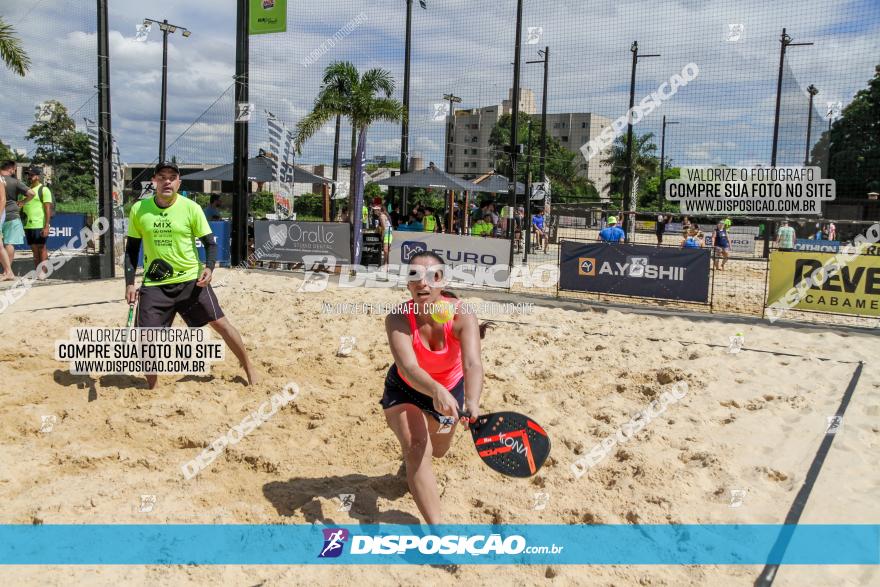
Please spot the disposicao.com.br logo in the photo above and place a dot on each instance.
(430, 544)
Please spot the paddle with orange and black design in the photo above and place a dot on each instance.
(510, 443)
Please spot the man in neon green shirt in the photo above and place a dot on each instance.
(175, 282)
(38, 212)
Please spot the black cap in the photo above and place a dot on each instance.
(34, 170)
(166, 165)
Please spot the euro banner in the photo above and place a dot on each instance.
(842, 284)
(635, 270)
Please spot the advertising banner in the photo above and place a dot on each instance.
(287, 241)
(739, 243)
(371, 254)
(853, 289)
(267, 16)
(635, 270)
(814, 246)
(487, 258)
(63, 228)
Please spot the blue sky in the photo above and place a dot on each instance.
(466, 47)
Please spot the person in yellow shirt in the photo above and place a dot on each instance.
(175, 281)
(483, 227)
(430, 221)
(38, 212)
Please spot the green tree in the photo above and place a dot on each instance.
(5, 152)
(363, 99)
(649, 198)
(11, 50)
(67, 152)
(645, 163)
(854, 161)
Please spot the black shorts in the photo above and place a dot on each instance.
(34, 236)
(397, 391)
(160, 303)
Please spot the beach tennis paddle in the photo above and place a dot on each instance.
(510, 443)
(130, 316)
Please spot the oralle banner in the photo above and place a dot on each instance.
(635, 270)
(290, 241)
(472, 254)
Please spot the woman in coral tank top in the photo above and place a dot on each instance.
(437, 371)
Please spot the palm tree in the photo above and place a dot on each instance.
(645, 161)
(11, 50)
(347, 93)
(340, 77)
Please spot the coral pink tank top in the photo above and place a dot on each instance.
(444, 366)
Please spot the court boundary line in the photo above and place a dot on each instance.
(768, 575)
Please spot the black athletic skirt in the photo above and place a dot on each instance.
(398, 391)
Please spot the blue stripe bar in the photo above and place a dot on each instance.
(302, 544)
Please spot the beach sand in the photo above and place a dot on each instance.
(751, 421)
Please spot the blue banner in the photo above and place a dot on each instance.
(63, 229)
(814, 246)
(685, 544)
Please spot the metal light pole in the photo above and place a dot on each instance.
(628, 178)
(335, 167)
(528, 218)
(784, 41)
(453, 100)
(166, 28)
(404, 127)
(663, 159)
(240, 186)
(514, 119)
(105, 143)
(528, 190)
(812, 91)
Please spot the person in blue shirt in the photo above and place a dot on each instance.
(612, 233)
(693, 239)
(540, 230)
(212, 210)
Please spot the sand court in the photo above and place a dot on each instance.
(736, 448)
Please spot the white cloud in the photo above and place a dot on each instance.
(458, 46)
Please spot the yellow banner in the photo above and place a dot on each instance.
(852, 288)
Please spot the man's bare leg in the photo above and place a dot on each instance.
(233, 340)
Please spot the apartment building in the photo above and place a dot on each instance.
(467, 142)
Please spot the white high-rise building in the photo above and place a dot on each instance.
(467, 142)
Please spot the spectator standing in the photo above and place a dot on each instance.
(612, 233)
(38, 214)
(721, 244)
(692, 239)
(12, 228)
(785, 237)
(662, 220)
(212, 210)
